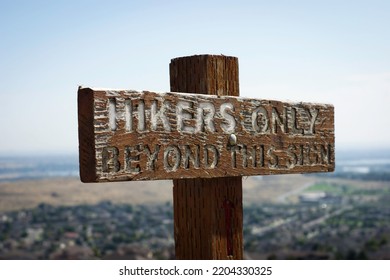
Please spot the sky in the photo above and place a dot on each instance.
(334, 52)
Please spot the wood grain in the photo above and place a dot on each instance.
(205, 142)
(208, 212)
(152, 136)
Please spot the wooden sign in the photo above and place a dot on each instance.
(130, 135)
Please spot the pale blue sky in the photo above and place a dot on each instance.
(316, 51)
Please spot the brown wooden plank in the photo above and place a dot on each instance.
(208, 211)
(86, 117)
(130, 135)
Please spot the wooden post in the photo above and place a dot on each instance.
(207, 212)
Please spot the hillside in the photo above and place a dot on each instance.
(70, 191)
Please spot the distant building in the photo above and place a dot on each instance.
(312, 197)
(320, 198)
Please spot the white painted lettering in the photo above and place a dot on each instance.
(278, 120)
(205, 117)
(128, 115)
(210, 151)
(183, 115)
(294, 124)
(229, 124)
(132, 157)
(273, 162)
(233, 154)
(172, 157)
(260, 120)
(313, 114)
(326, 152)
(157, 116)
(112, 113)
(292, 158)
(151, 157)
(190, 156)
(110, 162)
(141, 115)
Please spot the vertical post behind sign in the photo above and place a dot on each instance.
(207, 212)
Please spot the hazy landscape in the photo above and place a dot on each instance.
(47, 213)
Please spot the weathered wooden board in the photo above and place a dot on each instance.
(130, 135)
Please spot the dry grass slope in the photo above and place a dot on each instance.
(70, 191)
